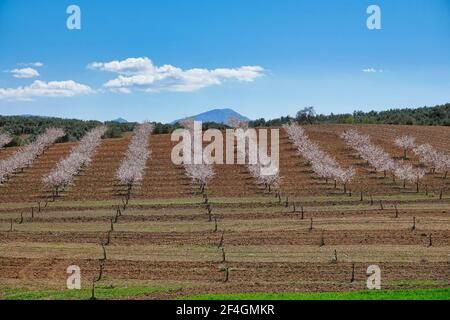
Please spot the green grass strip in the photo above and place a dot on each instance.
(101, 293)
(420, 294)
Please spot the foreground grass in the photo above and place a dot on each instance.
(422, 294)
(101, 293)
(105, 293)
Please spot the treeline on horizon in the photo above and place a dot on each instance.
(430, 116)
(24, 129)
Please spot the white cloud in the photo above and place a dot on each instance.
(45, 89)
(31, 64)
(141, 73)
(25, 73)
(128, 66)
(371, 70)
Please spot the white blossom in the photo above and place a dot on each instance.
(198, 173)
(381, 160)
(374, 155)
(255, 169)
(4, 139)
(406, 143)
(132, 168)
(433, 158)
(323, 164)
(80, 156)
(25, 156)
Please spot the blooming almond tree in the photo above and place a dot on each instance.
(374, 155)
(408, 173)
(4, 139)
(433, 158)
(269, 181)
(406, 143)
(80, 157)
(323, 164)
(237, 123)
(132, 168)
(381, 161)
(344, 176)
(25, 156)
(444, 164)
(198, 173)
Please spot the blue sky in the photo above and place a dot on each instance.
(263, 58)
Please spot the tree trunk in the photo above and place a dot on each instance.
(227, 274)
(224, 259)
(93, 289)
(353, 273)
(221, 240)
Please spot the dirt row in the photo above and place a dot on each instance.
(200, 216)
(302, 237)
(27, 184)
(243, 272)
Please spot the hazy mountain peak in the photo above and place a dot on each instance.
(216, 115)
(120, 120)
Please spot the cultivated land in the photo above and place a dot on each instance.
(164, 246)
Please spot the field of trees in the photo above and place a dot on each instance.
(347, 196)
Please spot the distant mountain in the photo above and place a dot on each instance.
(120, 120)
(216, 115)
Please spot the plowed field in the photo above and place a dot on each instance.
(165, 239)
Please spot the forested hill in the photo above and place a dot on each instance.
(437, 115)
(25, 128)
